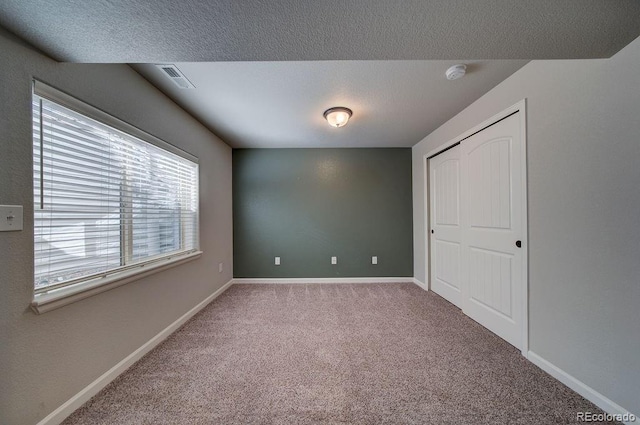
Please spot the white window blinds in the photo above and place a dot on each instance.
(104, 200)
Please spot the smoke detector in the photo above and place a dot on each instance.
(175, 75)
(456, 71)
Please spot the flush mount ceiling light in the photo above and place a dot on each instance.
(338, 116)
(456, 71)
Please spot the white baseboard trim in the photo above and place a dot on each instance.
(296, 280)
(62, 412)
(420, 284)
(580, 387)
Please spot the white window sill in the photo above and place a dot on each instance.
(57, 298)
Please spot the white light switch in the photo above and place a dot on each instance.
(10, 218)
(219, 267)
(374, 260)
(277, 261)
(334, 260)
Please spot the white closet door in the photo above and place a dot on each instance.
(445, 224)
(491, 228)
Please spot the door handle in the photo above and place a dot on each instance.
(519, 244)
(431, 231)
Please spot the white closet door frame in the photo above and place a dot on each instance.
(520, 107)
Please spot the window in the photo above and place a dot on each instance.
(105, 200)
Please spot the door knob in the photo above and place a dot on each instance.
(519, 244)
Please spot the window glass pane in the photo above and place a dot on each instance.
(77, 230)
(157, 205)
(104, 199)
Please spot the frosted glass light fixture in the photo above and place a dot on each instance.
(338, 116)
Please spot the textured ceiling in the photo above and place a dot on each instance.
(294, 30)
(265, 70)
(280, 104)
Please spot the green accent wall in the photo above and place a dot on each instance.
(307, 205)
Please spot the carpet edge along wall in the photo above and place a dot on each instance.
(308, 205)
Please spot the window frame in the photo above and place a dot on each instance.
(55, 296)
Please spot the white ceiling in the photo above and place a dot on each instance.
(280, 104)
(265, 71)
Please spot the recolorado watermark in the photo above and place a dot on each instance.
(605, 417)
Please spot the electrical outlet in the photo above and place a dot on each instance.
(219, 267)
(277, 261)
(334, 260)
(374, 259)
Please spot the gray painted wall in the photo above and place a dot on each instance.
(307, 205)
(46, 359)
(583, 136)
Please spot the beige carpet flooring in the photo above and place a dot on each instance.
(333, 354)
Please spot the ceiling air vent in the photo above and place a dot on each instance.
(174, 74)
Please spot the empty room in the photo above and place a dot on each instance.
(297, 212)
